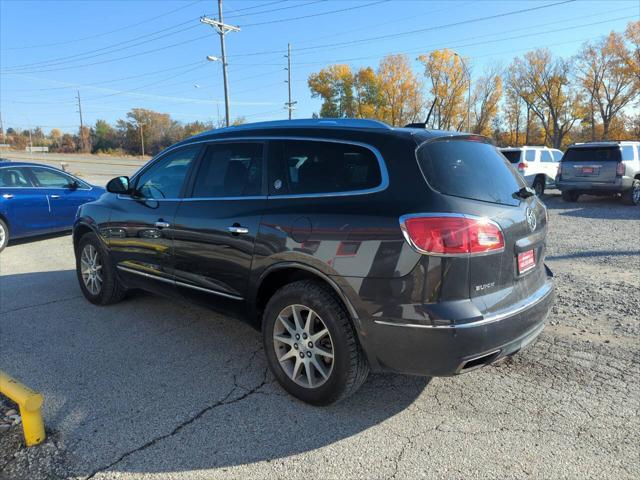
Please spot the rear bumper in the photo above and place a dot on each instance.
(620, 185)
(442, 350)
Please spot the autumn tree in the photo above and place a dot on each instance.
(334, 85)
(368, 94)
(607, 80)
(449, 84)
(632, 56)
(543, 83)
(486, 96)
(400, 91)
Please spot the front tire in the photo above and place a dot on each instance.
(311, 345)
(570, 196)
(4, 235)
(96, 275)
(630, 197)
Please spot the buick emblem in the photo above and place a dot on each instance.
(531, 219)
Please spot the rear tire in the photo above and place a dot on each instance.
(570, 196)
(4, 235)
(630, 197)
(292, 355)
(538, 186)
(96, 275)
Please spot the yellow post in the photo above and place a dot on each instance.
(30, 403)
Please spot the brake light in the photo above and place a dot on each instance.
(620, 169)
(522, 166)
(451, 235)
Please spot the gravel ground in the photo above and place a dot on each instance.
(151, 388)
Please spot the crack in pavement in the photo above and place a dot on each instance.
(40, 304)
(177, 429)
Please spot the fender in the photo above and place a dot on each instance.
(292, 264)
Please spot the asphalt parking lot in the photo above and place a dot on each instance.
(151, 388)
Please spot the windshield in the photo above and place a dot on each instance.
(592, 154)
(469, 169)
(512, 155)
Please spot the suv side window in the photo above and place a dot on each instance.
(14, 178)
(230, 170)
(164, 179)
(628, 153)
(307, 166)
(530, 155)
(557, 155)
(545, 156)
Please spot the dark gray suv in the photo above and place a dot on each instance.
(351, 245)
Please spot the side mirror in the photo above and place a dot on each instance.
(73, 185)
(119, 185)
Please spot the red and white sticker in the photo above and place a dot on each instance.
(526, 261)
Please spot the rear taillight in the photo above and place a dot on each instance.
(522, 166)
(620, 169)
(451, 234)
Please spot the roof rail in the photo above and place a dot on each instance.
(310, 122)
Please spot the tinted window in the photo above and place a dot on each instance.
(469, 169)
(14, 177)
(557, 155)
(165, 177)
(530, 155)
(627, 152)
(230, 170)
(512, 155)
(592, 154)
(326, 167)
(545, 156)
(51, 178)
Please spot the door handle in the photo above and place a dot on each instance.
(54, 196)
(237, 229)
(7, 196)
(160, 224)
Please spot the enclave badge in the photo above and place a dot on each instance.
(531, 219)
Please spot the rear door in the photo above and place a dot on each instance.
(216, 225)
(591, 164)
(23, 205)
(548, 165)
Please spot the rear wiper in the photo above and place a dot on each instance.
(524, 192)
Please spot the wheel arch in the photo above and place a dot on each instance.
(79, 229)
(281, 274)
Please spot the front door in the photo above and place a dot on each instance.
(24, 206)
(64, 193)
(140, 230)
(216, 226)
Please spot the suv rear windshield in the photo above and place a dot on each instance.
(469, 169)
(592, 154)
(512, 155)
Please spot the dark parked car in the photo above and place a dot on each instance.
(38, 199)
(352, 245)
(601, 168)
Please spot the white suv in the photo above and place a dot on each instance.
(537, 165)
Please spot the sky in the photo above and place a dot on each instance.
(123, 54)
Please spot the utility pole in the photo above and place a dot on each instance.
(464, 66)
(1, 129)
(222, 29)
(81, 123)
(289, 104)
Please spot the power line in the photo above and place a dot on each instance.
(67, 42)
(314, 14)
(93, 53)
(256, 6)
(271, 10)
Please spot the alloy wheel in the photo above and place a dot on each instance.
(91, 269)
(303, 346)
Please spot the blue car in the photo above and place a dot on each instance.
(38, 199)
